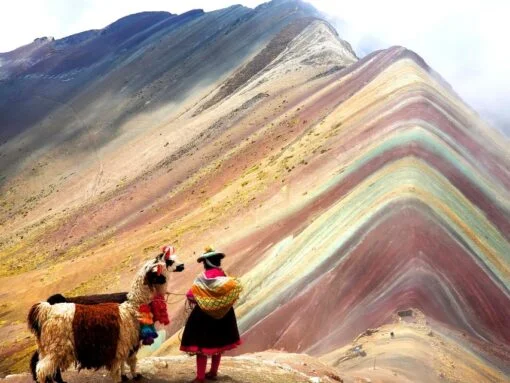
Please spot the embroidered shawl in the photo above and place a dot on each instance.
(216, 296)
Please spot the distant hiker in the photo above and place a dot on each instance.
(211, 328)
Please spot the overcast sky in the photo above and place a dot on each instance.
(465, 41)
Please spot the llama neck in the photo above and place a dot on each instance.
(141, 296)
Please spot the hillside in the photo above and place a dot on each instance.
(342, 190)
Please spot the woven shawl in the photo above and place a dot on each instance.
(216, 296)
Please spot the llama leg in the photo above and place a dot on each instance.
(45, 369)
(123, 375)
(132, 366)
(115, 372)
(33, 364)
(58, 377)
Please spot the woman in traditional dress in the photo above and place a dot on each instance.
(211, 327)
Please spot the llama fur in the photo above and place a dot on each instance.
(83, 300)
(56, 338)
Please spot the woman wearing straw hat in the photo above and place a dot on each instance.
(211, 327)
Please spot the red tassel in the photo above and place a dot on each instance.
(144, 308)
(168, 251)
(159, 310)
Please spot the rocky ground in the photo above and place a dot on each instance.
(254, 368)
(410, 349)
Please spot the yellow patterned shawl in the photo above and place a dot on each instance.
(216, 296)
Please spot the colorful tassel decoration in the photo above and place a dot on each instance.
(147, 330)
(148, 334)
(159, 310)
(145, 315)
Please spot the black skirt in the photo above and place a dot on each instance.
(205, 335)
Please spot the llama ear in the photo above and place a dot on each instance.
(158, 268)
(150, 279)
(146, 279)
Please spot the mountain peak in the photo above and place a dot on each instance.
(44, 39)
(136, 20)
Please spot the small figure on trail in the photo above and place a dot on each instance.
(211, 327)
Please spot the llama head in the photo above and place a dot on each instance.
(156, 275)
(169, 257)
(150, 279)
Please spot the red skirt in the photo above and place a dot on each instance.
(205, 335)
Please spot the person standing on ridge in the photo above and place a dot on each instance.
(211, 327)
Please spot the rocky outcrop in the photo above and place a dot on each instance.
(309, 41)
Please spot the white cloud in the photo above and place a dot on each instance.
(465, 41)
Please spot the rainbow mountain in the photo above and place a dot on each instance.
(364, 205)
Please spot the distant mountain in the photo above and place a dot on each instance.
(169, 48)
(355, 197)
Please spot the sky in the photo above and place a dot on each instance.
(465, 41)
